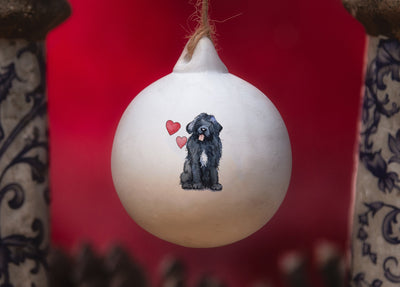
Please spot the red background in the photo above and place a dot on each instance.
(307, 56)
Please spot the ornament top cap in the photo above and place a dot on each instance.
(204, 59)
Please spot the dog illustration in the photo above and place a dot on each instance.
(204, 150)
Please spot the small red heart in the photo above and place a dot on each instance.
(172, 127)
(181, 141)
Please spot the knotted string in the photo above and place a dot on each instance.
(204, 29)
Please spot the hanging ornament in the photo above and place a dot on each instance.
(201, 158)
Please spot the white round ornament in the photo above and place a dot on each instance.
(201, 158)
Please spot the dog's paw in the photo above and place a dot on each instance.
(187, 185)
(198, 186)
(216, 187)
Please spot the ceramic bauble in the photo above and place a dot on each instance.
(201, 158)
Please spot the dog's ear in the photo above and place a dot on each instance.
(190, 126)
(216, 124)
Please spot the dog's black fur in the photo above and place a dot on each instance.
(204, 150)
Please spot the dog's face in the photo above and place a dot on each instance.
(204, 127)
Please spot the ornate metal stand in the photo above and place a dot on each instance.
(24, 191)
(376, 233)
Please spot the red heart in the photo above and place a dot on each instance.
(181, 141)
(172, 127)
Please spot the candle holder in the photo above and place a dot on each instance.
(375, 239)
(24, 190)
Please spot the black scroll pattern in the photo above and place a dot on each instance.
(376, 106)
(390, 231)
(17, 248)
(379, 104)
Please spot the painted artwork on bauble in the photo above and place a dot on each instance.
(204, 151)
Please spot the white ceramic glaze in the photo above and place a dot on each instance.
(254, 169)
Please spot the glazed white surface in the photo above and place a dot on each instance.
(254, 170)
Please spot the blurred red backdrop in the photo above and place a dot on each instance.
(307, 56)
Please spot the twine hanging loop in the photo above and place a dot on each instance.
(204, 29)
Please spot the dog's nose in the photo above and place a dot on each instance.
(203, 129)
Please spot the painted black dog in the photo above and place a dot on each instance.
(204, 149)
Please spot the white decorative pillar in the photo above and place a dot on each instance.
(376, 222)
(24, 189)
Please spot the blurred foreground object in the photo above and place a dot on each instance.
(24, 191)
(89, 269)
(375, 238)
(117, 268)
(326, 266)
